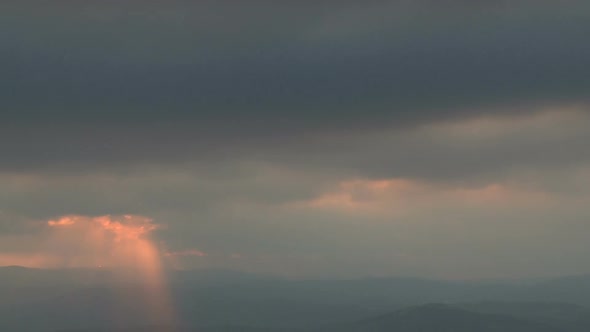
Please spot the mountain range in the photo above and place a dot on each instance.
(84, 300)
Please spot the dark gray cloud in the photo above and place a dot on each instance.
(479, 149)
(326, 87)
(89, 82)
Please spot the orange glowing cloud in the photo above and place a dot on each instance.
(403, 196)
(121, 227)
(120, 242)
(106, 241)
(64, 221)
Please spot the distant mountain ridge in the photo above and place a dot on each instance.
(446, 318)
(35, 299)
(424, 318)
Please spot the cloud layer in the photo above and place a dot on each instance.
(128, 82)
(430, 138)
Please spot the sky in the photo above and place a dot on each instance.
(325, 139)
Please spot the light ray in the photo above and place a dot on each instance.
(124, 245)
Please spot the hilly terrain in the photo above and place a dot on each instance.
(79, 300)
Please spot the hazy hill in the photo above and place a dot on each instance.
(425, 318)
(444, 318)
(565, 316)
(47, 300)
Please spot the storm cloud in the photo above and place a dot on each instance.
(304, 138)
(221, 74)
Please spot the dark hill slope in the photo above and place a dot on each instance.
(444, 318)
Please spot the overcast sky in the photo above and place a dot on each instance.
(442, 139)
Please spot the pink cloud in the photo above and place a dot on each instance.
(399, 196)
(90, 241)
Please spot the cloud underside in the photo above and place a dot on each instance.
(300, 139)
(308, 221)
(94, 84)
(286, 69)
